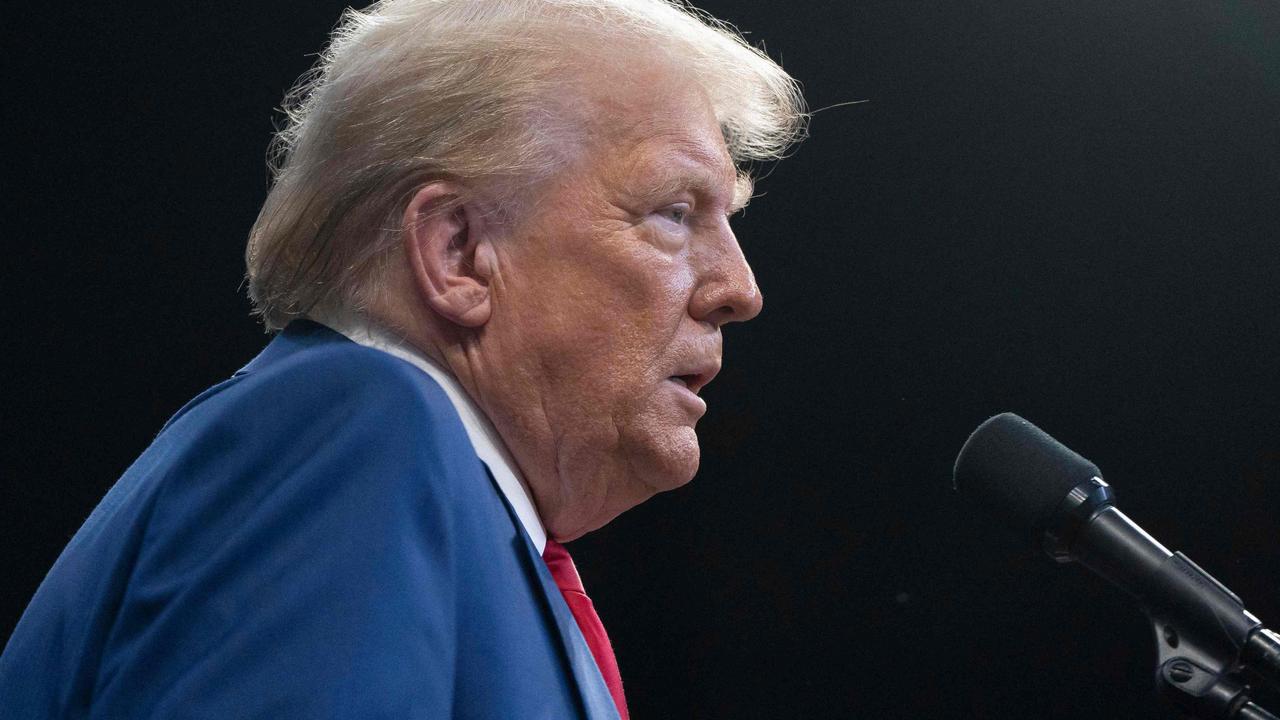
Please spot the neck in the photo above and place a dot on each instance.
(499, 393)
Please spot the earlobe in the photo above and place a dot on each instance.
(442, 235)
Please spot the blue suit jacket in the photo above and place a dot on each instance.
(314, 538)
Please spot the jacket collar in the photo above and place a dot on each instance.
(298, 335)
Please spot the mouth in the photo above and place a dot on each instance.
(697, 378)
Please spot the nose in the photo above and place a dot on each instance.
(727, 290)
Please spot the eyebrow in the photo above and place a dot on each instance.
(697, 170)
(743, 186)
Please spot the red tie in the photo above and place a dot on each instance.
(566, 577)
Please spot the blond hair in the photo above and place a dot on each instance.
(410, 91)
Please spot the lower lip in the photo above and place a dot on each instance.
(689, 397)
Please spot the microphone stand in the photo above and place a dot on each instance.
(1204, 647)
(1204, 686)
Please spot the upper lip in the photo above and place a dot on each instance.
(697, 373)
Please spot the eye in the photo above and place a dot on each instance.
(677, 214)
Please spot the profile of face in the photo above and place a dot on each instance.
(605, 306)
(616, 290)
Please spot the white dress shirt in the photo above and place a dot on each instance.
(484, 438)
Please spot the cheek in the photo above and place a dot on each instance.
(608, 354)
(598, 315)
(617, 326)
(647, 308)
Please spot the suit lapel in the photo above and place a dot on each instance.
(596, 700)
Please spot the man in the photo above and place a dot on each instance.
(498, 246)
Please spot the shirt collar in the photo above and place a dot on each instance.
(484, 438)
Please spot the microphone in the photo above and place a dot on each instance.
(1046, 492)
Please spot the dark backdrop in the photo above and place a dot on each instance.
(1065, 209)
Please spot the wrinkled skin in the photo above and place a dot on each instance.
(603, 309)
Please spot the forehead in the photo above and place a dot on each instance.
(657, 132)
(693, 158)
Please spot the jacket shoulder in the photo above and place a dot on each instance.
(337, 372)
(321, 416)
(305, 514)
(313, 502)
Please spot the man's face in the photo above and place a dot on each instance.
(608, 306)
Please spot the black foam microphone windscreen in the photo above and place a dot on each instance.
(1019, 472)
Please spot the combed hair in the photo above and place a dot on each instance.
(411, 91)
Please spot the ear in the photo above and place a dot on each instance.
(448, 253)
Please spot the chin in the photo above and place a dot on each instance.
(657, 463)
(675, 461)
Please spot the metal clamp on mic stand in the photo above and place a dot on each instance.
(1204, 647)
(1215, 691)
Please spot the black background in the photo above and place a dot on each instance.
(1065, 209)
